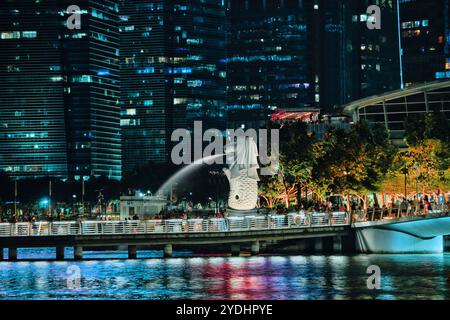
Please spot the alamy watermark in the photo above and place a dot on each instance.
(74, 20)
(373, 17)
(73, 273)
(190, 150)
(374, 280)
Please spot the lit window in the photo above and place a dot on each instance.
(146, 70)
(131, 112)
(29, 34)
(179, 100)
(83, 78)
(10, 35)
(148, 103)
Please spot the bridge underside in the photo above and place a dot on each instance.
(404, 235)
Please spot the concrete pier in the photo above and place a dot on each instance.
(301, 246)
(60, 253)
(318, 245)
(12, 254)
(337, 244)
(255, 248)
(132, 252)
(235, 249)
(168, 250)
(78, 253)
(446, 243)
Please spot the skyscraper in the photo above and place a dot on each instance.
(379, 54)
(173, 72)
(32, 128)
(298, 54)
(270, 62)
(60, 97)
(357, 61)
(425, 36)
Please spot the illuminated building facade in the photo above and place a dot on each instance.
(32, 129)
(379, 53)
(269, 64)
(291, 54)
(425, 35)
(355, 61)
(59, 102)
(173, 72)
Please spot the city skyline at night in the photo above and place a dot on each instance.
(194, 151)
(104, 99)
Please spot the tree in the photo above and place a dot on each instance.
(352, 162)
(427, 168)
(423, 126)
(296, 158)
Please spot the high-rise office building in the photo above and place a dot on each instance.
(298, 54)
(32, 128)
(59, 102)
(357, 61)
(425, 37)
(269, 59)
(173, 72)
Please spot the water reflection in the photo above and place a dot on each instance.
(264, 277)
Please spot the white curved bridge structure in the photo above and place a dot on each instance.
(416, 234)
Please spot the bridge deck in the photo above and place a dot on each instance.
(160, 232)
(422, 226)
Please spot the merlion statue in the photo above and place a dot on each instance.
(242, 173)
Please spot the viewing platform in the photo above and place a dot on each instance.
(167, 233)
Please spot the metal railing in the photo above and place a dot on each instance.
(375, 214)
(289, 221)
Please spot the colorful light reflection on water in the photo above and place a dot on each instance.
(188, 277)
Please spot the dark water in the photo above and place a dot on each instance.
(263, 277)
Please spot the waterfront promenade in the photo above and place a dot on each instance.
(317, 230)
(167, 233)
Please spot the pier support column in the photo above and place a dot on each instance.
(60, 253)
(337, 244)
(349, 243)
(168, 250)
(12, 254)
(1, 254)
(255, 248)
(235, 250)
(318, 245)
(78, 253)
(132, 252)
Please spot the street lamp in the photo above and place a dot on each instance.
(417, 179)
(405, 172)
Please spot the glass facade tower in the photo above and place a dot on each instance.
(173, 72)
(425, 36)
(59, 102)
(32, 128)
(269, 63)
